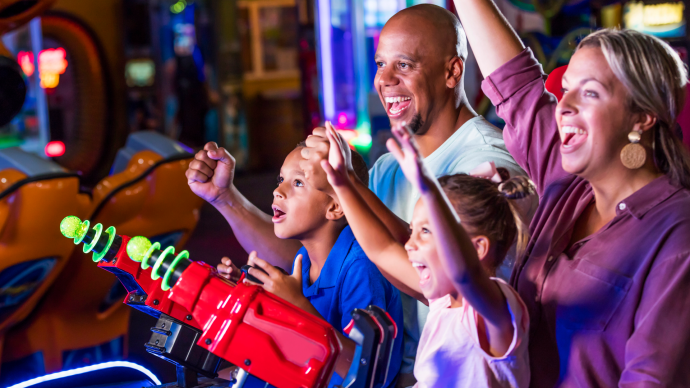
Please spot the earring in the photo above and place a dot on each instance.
(634, 155)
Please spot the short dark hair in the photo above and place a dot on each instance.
(358, 164)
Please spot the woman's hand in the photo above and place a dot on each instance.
(275, 281)
(338, 164)
(409, 158)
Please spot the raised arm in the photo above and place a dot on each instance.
(457, 253)
(488, 32)
(210, 176)
(317, 150)
(373, 236)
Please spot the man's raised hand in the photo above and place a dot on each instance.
(211, 173)
(408, 157)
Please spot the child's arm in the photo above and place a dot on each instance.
(373, 236)
(456, 250)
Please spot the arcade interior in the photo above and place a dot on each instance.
(102, 107)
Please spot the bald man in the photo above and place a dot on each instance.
(420, 60)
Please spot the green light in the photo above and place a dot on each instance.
(166, 278)
(137, 248)
(178, 7)
(99, 229)
(144, 264)
(81, 233)
(168, 251)
(363, 140)
(111, 236)
(70, 226)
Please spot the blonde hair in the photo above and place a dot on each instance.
(655, 78)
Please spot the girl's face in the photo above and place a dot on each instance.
(593, 116)
(421, 251)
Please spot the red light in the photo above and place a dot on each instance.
(55, 148)
(342, 119)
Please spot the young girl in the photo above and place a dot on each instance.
(476, 331)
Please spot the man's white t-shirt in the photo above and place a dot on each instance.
(475, 142)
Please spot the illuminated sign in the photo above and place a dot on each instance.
(665, 20)
(51, 63)
(140, 72)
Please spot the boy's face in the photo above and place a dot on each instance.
(422, 253)
(298, 208)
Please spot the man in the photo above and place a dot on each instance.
(420, 60)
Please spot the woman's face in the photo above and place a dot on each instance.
(593, 116)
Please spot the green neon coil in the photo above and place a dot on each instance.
(166, 278)
(81, 233)
(144, 264)
(168, 251)
(111, 236)
(99, 229)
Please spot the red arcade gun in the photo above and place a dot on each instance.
(204, 318)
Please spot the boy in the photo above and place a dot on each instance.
(331, 274)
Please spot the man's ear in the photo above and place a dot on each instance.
(454, 70)
(482, 245)
(334, 211)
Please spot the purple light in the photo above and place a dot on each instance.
(342, 119)
(326, 59)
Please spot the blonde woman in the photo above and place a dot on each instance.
(606, 274)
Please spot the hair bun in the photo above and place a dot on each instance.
(517, 188)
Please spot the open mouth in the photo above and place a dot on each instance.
(395, 106)
(572, 138)
(278, 214)
(424, 273)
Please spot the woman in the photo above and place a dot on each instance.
(606, 275)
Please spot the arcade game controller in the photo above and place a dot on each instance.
(204, 318)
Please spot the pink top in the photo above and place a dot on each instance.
(449, 353)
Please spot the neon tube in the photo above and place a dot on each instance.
(87, 369)
(326, 59)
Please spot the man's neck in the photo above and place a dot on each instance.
(319, 245)
(443, 126)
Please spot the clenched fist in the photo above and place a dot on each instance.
(211, 172)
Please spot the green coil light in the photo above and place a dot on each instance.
(111, 236)
(166, 278)
(137, 248)
(154, 272)
(144, 264)
(99, 229)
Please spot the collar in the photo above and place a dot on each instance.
(331, 268)
(648, 197)
(443, 302)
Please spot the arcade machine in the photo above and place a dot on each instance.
(204, 318)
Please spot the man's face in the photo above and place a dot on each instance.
(298, 208)
(411, 75)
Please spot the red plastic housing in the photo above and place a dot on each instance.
(157, 299)
(257, 331)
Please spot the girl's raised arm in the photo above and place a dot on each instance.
(457, 253)
(377, 242)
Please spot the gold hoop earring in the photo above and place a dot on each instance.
(634, 155)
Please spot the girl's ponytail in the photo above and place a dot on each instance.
(519, 193)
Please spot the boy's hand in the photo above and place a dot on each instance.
(409, 158)
(228, 270)
(336, 166)
(211, 172)
(288, 287)
(317, 150)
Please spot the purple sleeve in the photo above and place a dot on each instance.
(531, 133)
(657, 352)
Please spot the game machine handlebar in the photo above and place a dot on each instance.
(203, 318)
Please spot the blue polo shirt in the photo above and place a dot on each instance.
(349, 280)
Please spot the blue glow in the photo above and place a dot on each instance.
(326, 58)
(86, 369)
